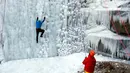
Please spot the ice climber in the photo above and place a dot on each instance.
(38, 28)
(89, 62)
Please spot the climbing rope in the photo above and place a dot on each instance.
(2, 41)
(0, 1)
(3, 23)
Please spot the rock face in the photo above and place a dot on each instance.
(120, 26)
(112, 67)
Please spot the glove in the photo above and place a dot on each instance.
(44, 18)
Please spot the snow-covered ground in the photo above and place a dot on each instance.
(66, 64)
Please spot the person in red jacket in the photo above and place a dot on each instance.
(89, 62)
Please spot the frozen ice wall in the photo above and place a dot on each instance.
(20, 31)
(1, 40)
(63, 28)
(93, 18)
(1, 24)
(100, 19)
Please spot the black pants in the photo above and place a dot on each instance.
(37, 33)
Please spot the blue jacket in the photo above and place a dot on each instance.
(39, 23)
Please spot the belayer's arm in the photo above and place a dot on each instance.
(85, 61)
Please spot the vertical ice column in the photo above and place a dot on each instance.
(54, 12)
(1, 40)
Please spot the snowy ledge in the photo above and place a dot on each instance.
(66, 64)
(108, 43)
(106, 6)
(103, 32)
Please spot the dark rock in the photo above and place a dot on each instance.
(111, 67)
(122, 28)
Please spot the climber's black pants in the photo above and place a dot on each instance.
(37, 33)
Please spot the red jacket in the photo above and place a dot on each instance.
(89, 63)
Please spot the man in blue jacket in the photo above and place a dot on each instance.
(38, 28)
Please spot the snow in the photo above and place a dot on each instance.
(110, 41)
(66, 64)
(113, 4)
(64, 29)
(102, 31)
(105, 6)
